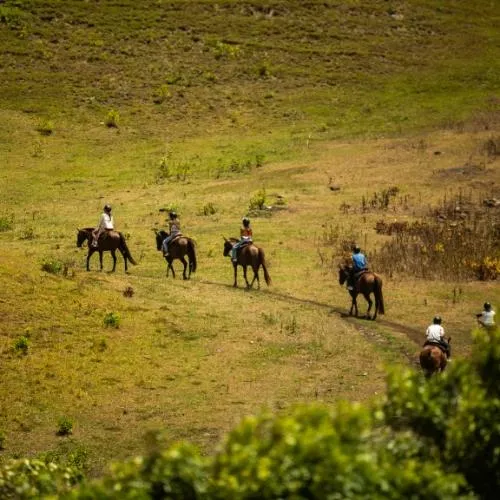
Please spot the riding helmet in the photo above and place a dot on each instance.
(107, 207)
(172, 215)
(356, 249)
(487, 306)
(437, 320)
(245, 221)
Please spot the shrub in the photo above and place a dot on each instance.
(2, 440)
(223, 49)
(112, 119)
(112, 320)
(64, 426)
(208, 209)
(52, 266)
(28, 234)
(161, 94)
(26, 479)
(45, 127)
(6, 222)
(178, 472)
(258, 201)
(21, 345)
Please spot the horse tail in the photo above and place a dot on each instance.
(263, 263)
(126, 251)
(379, 297)
(191, 251)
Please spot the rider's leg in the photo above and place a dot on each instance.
(233, 252)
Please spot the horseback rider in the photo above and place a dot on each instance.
(359, 265)
(435, 336)
(487, 317)
(245, 238)
(106, 223)
(174, 230)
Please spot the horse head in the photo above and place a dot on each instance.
(81, 236)
(344, 271)
(227, 246)
(160, 236)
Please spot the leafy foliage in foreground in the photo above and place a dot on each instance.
(428, 439)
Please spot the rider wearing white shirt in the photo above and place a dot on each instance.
(435, 335)
(106, 223)
(487, 317)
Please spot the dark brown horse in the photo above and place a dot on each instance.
(368, 283)
(433, 359)
(178, 248)
(109, 241)
(248, 255)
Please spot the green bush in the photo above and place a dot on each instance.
(45, 127)
(29, 479)
(52, 266)
(6, 222)
(112, 119)
(161, 94)
(208, 209)
(258, 201)
(21, 345)
(64, 426)
(176, 473)
(111, 320)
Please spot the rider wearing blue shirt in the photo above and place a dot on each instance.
(359, 264)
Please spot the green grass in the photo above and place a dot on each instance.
(291, 102)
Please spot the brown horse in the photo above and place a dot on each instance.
(109, 241)
(368, 283)
(248, 255)
(433, 359)
(178, 249)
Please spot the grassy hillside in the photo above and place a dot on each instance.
(203, 107)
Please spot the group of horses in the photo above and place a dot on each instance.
(182, 248)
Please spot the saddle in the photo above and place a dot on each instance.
(435, 343)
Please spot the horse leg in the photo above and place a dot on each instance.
(113, 254)
(91, 251)
(245, 276)
(100, 259)
(354, 305)
(124, 255)
(170, 266)
(255, 277)
(235, 268)
(370, 303)
(184, 263)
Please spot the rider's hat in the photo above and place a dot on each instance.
(172, 214)
(245, 220)
(356, 248)
(487, 306)
(107, 207)
(437, 320)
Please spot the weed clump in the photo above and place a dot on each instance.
(208, 209)
(64, 426)
(6, 222)
(21, 345)
(45, 127)
(111, 320)
(258, 200)
(112, 119)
